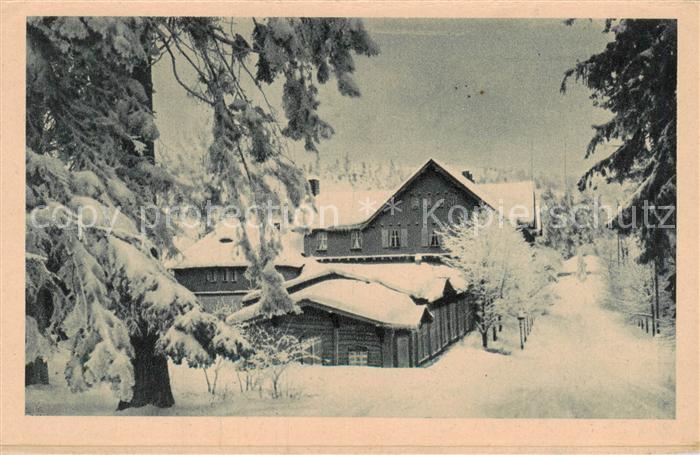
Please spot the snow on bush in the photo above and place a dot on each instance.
(274, 352)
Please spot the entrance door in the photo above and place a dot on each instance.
(402, 354)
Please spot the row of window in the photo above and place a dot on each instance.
(391, 238)
(357, 356)
(225, 275)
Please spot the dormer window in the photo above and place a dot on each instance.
(322, 239)
(356, 240)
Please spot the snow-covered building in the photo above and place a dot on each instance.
(367, 274)
(214, 267)
(405, 223)
(388, 315)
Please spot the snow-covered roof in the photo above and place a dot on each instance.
(421, 281)
(355, 208)
(355, 298)
(516, 198)
(220, 248)
(477, 189)
(347, 207)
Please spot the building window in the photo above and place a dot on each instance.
(434, 239)
(356, 240)
(322, 238)
(230, 275)
(211, 276)
(394, 239)
(358, 356)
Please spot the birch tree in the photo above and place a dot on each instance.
(499, 266)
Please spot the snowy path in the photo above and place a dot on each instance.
(581, 361)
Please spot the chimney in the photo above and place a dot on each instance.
(468, 175)
(315, 185)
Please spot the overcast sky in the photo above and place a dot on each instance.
(506, 102)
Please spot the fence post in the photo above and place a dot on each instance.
(520, 326)
(528, 324)
(655, 306)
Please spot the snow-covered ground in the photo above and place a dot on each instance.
(580, 361)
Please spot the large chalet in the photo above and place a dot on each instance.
(367, 274)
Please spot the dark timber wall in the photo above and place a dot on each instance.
(339, 334)
(427, 189)
(385, 346)
(213, 279)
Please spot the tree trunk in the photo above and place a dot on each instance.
(484, 327)
(36, 372)
(143, 74)
(41, 309)
(485, 338)
(152, 381)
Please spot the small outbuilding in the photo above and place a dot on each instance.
(381, 320)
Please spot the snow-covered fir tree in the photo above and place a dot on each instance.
(635, 78)
(90, 172)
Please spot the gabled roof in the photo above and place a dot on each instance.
(353, 207)
(355, 299)
(220, 248)
(475, 189)
(424, 281)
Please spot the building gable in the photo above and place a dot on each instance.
(407, 223)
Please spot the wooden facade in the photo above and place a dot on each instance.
(404, 230)
(431, 194)
(340, 336)
(222, 288)
(386, 346)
